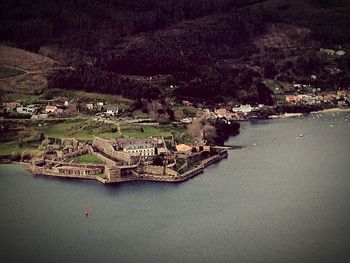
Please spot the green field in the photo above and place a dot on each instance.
(80, 128)
(84, 96)
(83, 129)
(87, 158)
(24, 98)
(143, 131)
(12, 147)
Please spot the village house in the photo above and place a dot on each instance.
(342, 93)
(100, 103)
(223, 113)
(243, 108)
(112, 110)
(29, 109)
(50, 108)
(89, 106)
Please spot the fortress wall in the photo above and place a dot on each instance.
(105, 147)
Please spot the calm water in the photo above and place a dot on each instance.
(278, 199)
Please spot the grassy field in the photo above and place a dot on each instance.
(83, 129)
(11, 147)
(87, 158)
(80, 128)
(86, 96)
(143, 131)
(24, 98)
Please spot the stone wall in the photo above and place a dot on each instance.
(103, 158)
(105, 147)
(159, 170)
(78, 152)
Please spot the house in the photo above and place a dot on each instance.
(342, 93)
(100, 103)
(50, 108)
(243, 108)
(89, 106)
(66, 103)
(140, 149)
(29, 109)
(292, 99)
(223, 113)
(340, 53)
(112, 110)
(187, 103)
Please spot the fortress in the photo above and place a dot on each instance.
(121, 166)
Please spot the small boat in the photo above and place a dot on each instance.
(86, 212)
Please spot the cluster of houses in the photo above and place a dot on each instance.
(37, 111)
(240, 112)
(65, 109)
(340, 98)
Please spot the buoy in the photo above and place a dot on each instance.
(86, 212)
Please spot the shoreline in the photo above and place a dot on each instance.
(331, 110)
(299, 114)
(198, 169)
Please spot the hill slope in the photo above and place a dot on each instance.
(215, 50)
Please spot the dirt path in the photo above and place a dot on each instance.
(26, 72)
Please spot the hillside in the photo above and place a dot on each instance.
(212, 50)
(22, 72)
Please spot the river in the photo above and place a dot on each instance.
(282, 197)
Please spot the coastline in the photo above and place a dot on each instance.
(299, 114)
(332, 110)
(198, 169)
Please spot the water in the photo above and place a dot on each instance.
(281, 198)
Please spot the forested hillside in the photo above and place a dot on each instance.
(214, 49)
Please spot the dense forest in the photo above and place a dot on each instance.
(214, 49)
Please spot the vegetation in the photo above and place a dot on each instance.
(214, 50)
(6, 72)
(12, 147)
(133, 130)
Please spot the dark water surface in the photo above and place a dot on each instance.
(282, 198)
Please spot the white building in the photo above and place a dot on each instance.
(243, 108)
(30, 109)
(89, 106)
(142, 149)
(112, 110)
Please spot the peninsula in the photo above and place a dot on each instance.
(123, 160)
